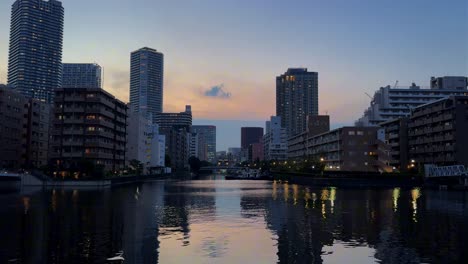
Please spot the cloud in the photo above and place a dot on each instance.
(218, 92)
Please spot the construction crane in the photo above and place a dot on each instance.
(396, 84)
(372, 99)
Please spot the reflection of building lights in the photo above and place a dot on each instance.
(325, 195)
(307, 197)
(332, 198)
(314, 198)
(322, 159)
(395, 196)
(324, 215)
(286, 191)
(26, 204)
(275, 190)
(415, 194)
(295, 193)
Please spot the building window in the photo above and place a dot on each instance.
(351, 133)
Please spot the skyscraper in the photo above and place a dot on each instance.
(296, 98)
(35, 56)
(208, 133)
(146, 81)
(81, 75)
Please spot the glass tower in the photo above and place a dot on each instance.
(35, 56)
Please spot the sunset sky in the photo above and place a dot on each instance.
(222, 56)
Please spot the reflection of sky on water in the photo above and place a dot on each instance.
(217, 221)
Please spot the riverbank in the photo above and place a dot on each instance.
(355, 180)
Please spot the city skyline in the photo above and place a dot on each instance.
(222, 70)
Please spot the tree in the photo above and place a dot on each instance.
(195, 164)
(136, 166)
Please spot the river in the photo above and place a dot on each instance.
(212, 220)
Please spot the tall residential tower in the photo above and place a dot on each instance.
(81, 75)
(146, 81)
(296, 98)
(35, 56)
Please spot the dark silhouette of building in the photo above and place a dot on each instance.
(296, 98)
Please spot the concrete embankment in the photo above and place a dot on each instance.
(354, 180)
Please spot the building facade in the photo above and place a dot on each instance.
(250, 135)
(361, 149)
(297, 144)
(39, 117)
(35, 53)
(438, 132)
(146, 81)
(176, 127)
(396, 136)
(256, 152)
(89, 125)
(24, 130)
(207, 134)
(275, 141)
(12, 121)
(81, 75)
(296, 98)
(392, 103)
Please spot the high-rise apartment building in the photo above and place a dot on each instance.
(208, 137)
(395, 102)
(296, 98)
(146, 81)
(35, 55)
(81, 75)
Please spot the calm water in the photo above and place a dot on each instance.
(218, 221)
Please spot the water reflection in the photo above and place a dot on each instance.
(217, 221)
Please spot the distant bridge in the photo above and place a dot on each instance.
(217, 168)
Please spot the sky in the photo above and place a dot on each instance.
(222, 57)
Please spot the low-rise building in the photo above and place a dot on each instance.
(297, 144)
(24, 130)
(275, 140)
(12, 111)
(438, 132)
(89, 125)
(351, 149)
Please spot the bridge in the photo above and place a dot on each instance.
(221, 168)
(446, 174)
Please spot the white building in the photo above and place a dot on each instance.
(391, 103)
(194, 145)
(158, 148)
(144, 142)
(275, 140)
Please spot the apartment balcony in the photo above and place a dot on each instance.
(98, 144)
(73, 132)
(74, 98)
(73, 121)
(393, 136)
(76, 154)
(449, 138)
(448, 127)
(73, 109)
(447, 117)
(450, 148)
(72, 143)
